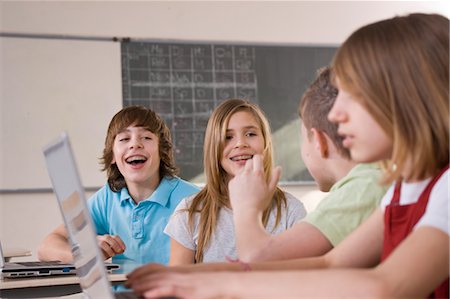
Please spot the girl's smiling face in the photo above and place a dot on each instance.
(244, 139)
(136, 153)
(363, 136)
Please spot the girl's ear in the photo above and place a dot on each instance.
(321, 142)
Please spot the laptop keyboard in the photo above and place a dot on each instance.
(126, 295)
(38, 264)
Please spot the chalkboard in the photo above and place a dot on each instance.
(183, 82)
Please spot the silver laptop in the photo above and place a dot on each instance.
(33, 269)
(69, 192)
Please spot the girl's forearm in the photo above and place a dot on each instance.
(251, 237)
(307, 284)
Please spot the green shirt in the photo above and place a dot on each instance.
(350, 201)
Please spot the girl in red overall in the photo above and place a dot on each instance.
(393, 107)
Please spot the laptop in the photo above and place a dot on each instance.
(33, 269)
(67, 186)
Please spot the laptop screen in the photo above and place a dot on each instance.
(69, 192)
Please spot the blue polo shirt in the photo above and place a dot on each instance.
(140, 225)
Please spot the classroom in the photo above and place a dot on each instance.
(61, 71)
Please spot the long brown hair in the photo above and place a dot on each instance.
(138, 116)
(399, 70)
(214, 195)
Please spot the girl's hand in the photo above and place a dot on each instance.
(249, 190)
(183, 285)
(140, 277)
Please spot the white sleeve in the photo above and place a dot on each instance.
(295, 210)
(387, 197)
(178, 226)
(386, 200)
(436, 214)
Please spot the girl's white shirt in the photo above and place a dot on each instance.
(223, 243)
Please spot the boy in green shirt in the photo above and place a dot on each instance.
(353, 188)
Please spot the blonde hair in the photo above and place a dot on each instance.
(214, 195)
(399, 70)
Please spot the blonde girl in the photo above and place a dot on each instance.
(201, 228)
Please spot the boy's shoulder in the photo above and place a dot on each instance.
(179, 183)
(105, 196)
(361, 174)
(361, 183)
(187, 184)
(105, 192)
(180, 188)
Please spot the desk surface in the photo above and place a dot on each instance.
(15, 283)
(118, 275)
(46, 287)
(53, 286)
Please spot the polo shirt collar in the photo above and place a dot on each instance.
(124, 196)
(161, 195)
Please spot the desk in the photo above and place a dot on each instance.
(40, 287)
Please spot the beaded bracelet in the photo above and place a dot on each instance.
(244, 266)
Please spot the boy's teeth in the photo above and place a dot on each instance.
(133, 159)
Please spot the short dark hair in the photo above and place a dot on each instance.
(138, 116)
(315, 105)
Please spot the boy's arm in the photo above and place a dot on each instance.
(301, 240)
(360, 249)
(249, 194)
(55, 246)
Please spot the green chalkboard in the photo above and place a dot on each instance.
(183, 82)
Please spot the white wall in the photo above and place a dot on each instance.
(51, 85)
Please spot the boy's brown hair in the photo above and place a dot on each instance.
(315, 105)
(138, 116)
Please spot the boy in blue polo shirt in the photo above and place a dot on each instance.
(131, 210)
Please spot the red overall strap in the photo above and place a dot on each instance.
(399, 221)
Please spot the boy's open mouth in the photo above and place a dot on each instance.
(136, 160)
